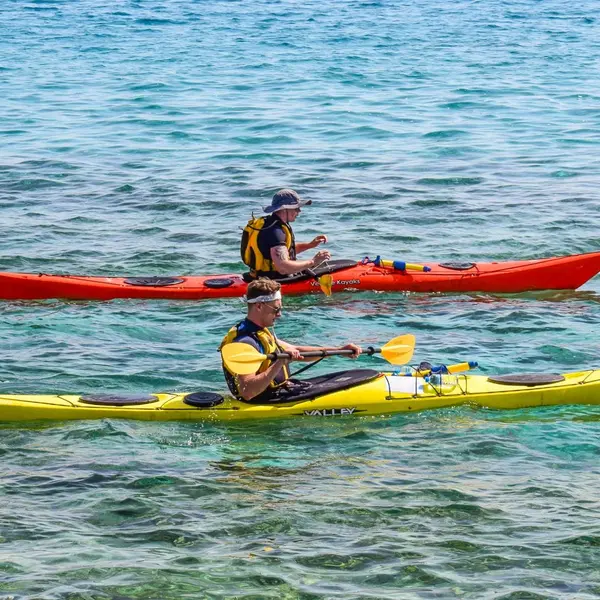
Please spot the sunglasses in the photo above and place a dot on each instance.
(277, 310)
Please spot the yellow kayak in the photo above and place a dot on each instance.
(360, 392)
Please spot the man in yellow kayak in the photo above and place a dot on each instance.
(268, 245)
(263, 298)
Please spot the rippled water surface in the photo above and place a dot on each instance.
(138, 136)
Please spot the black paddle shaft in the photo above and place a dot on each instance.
(370, 350)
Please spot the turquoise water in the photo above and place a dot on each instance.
(138, 136)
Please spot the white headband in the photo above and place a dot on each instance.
(266, 298)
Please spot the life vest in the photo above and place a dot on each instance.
(269, 344)
(250, 251)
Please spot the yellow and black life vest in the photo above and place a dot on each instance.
(269, 344)
(258, 263)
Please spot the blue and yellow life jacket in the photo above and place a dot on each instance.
(257, 262)
(268, 343)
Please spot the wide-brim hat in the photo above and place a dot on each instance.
(286, 198)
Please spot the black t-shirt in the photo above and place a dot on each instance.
(271, 235)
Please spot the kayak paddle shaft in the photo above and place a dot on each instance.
(322, 353)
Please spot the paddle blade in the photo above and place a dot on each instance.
(399, 350)
(460, 367)
(326, 282)
(241, 359)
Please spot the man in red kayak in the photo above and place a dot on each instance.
(263, 298)
(268, 246)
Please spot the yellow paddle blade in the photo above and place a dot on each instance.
(399, 350)
(326, 281)
(242, 359)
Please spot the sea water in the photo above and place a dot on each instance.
(138, 136)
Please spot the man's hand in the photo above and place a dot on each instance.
(284, 362)
(320, 257)
(295, 353)
(355, 349)
(319, 239)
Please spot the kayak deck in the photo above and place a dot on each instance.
(559, 273)
(384, 395)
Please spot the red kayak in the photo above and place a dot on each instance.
(558, 273)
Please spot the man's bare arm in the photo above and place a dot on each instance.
(284, 265)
